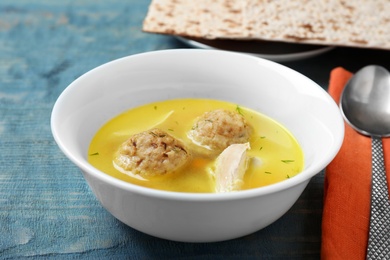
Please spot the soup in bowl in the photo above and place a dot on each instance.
(196, 145)
(106, 113)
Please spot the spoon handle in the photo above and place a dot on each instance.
(379, 235)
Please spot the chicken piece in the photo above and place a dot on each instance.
(215, 130)
(231, 166)
(151, 153)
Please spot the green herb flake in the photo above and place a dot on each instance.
(287, 161)
(157, 135)
(288, 176)
(93, 154)
(268, 172)
(155, 107)
(170, 129)
(239, 110)
(261, 148)
(262, 137)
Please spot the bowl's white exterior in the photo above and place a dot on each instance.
(281, 93)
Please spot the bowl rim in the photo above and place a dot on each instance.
(302, 177)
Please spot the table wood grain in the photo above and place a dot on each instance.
(47, 211)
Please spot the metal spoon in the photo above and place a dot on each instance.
(365, 104)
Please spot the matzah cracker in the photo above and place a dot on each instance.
(356, 23)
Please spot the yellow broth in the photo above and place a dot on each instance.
(278, 152)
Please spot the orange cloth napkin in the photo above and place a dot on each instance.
(347, 187)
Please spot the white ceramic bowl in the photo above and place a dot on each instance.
(277, 91)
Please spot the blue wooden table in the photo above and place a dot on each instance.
(47, 211)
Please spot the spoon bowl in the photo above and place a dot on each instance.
(365, 101)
